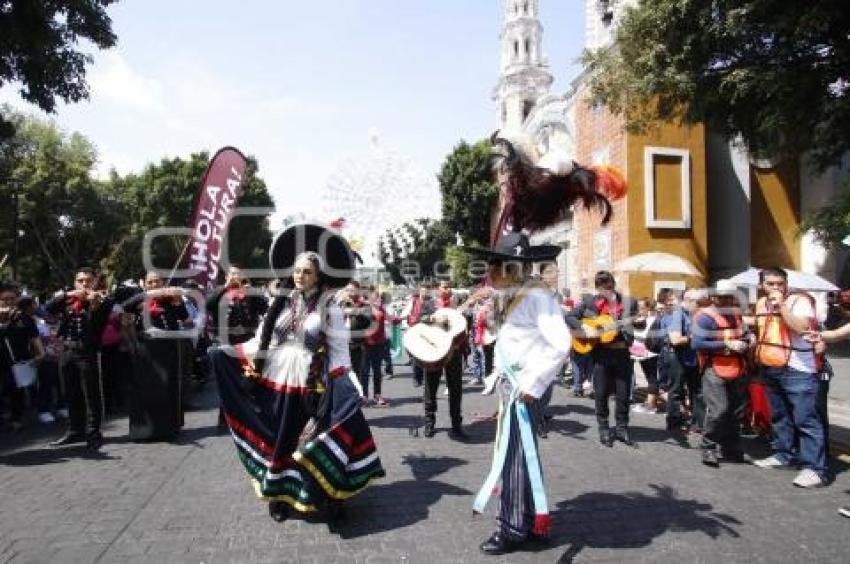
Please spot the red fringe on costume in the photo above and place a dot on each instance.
(542, 524)
(758, 413)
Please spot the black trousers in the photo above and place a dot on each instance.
(725, 402)
(682, 380)
(489, 355)
(49, 396)
(116, 367)
(650, 370)
(454, 382)
(83, 392)
(612, 374)
(372, 359)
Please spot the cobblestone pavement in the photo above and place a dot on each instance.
(189, 501)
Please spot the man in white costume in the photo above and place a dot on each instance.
(532, 345)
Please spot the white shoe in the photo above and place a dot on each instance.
(63, 413)
(643, 408)
(808, 478)
(446, 391)
(770, 462)
(844, 511)
(46, 417)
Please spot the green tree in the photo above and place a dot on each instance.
(469, 192)
(459, 262)
(774, 72)
(830, 224)
(64, 217)
(39, 42)
(421, 242)
(67, 219)
(163, 195)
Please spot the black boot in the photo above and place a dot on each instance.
(429, 430)
(457, 433)
(94, 440)
(605, 437)
(543, 429)
(622, 434)
(69, 438)
(498, 544)
(709, 458)
(278, 511)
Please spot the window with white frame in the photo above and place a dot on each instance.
(667, 187)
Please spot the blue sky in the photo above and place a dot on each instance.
(301, 84)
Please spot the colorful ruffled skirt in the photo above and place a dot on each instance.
(301, 444)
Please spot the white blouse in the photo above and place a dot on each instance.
(334, 328)
(534, 336)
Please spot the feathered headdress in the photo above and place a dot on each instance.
(538, 191)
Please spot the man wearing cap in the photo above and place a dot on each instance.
(717, 335)
(533, 345)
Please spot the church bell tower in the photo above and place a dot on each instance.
(525, 76)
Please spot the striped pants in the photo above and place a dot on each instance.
(516, 505)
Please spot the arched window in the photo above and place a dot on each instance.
(527, 48)
(516, 48)
(525, 8)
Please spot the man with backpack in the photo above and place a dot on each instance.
(791, 367)
(717, 334)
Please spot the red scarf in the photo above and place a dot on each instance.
(155, 308)
(235, 295)
(78, 306)
(603, 306)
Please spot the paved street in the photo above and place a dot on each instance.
(190, 501)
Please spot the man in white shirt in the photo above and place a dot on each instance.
(791, 375)
(532, 345)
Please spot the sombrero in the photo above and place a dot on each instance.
(516, 247)
(337, 256)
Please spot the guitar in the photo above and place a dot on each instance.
(431, 344)
(606, 327)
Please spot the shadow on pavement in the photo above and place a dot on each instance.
(395, 402)
(568, 428)
(393, 421)
(405, 502)
(571, 409)
(481, 431)
(632, 520)
(49, 455)
(655, 435)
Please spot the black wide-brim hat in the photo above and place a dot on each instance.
(516, 247)
(337, 256)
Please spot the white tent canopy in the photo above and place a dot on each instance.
(796, 280)
(656, 263)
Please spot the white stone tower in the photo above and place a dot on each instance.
(601, 18)
(525, 76)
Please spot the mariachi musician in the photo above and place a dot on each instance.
(612, 364)
(83, 313)
(453, 369)
(153, 320)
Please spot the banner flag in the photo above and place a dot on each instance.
(219, 195)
